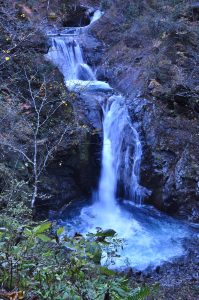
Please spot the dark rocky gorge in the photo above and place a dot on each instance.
(149, 56)
(161, 93)
(163, 108)
(158, 76)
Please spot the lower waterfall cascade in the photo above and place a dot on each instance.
(150, 237)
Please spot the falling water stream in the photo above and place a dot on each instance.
(150, 237)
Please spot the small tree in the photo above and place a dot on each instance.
(35, 115)
(38, 113)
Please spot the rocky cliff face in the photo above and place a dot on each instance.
(31, 91)
(73, 171)
(151, 55)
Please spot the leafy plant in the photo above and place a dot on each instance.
(43, 262)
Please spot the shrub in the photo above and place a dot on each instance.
(40, 262)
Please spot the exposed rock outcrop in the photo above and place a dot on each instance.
(152, 57)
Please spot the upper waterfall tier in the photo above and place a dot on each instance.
(66, 54)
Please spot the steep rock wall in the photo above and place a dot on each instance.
(150, 54)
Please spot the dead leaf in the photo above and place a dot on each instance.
(12, 295)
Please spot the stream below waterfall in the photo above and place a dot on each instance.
(149, 236)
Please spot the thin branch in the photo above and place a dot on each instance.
(17, 150)
(49, 153)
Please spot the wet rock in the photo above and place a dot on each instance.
(153, 84)
(158, 269)
(103, 74)
(71, 174)
(76, 17)
(74, 170)
(193, 11)
(155, 88)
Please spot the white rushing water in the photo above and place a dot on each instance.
(121, 156)
(149, 238)
(96, 16)
(66, 54)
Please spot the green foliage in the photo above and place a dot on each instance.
(36, 261)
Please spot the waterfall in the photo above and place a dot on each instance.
(121, 155)
(149, 238)
(122, 150)
(97, 15)
(66, 54)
